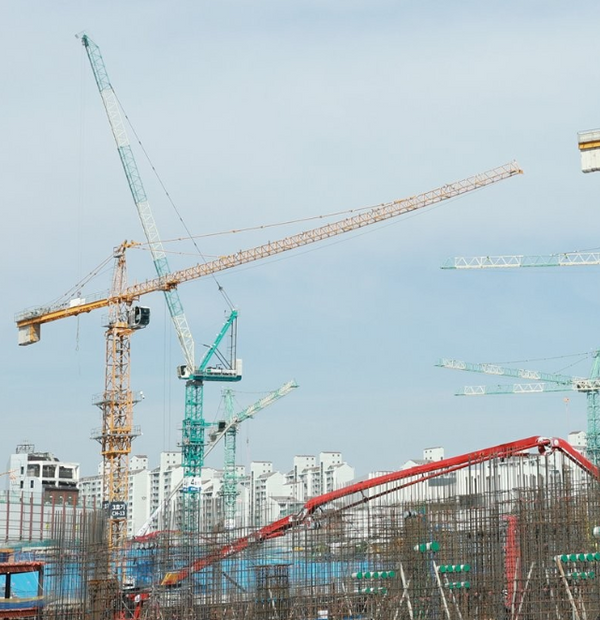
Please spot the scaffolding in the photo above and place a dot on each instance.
(512, 534)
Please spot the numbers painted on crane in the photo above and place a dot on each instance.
(117, 510)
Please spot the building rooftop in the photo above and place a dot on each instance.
(42, 456)
(267, 475)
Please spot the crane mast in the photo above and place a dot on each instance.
(193, 443)
(230, 488)
(116, 403)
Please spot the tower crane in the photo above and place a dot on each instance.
(117, 400)
(30, 321)
(589, 147)
(224, 428)
(194, 424)
(117, 411)
(541, 382)
(229, 432)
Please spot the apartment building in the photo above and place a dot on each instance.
(42, 475)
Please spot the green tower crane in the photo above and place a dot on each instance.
(541, 382)
(589, 147)
(228, 429)
(225, 429)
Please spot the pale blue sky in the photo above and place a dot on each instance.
(261, 112)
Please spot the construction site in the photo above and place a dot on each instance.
(507, 532)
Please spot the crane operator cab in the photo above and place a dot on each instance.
(139, 317)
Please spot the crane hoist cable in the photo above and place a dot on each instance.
(172, 202)
(234, 231)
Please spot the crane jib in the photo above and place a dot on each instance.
(45, 314)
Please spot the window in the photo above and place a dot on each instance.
(48, 471)
(31, 484)
(32, 470)
(65, 472)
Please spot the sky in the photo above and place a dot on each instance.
(260, 113)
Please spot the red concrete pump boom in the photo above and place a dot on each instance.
(405, 477)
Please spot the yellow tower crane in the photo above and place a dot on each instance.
(125, 318)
